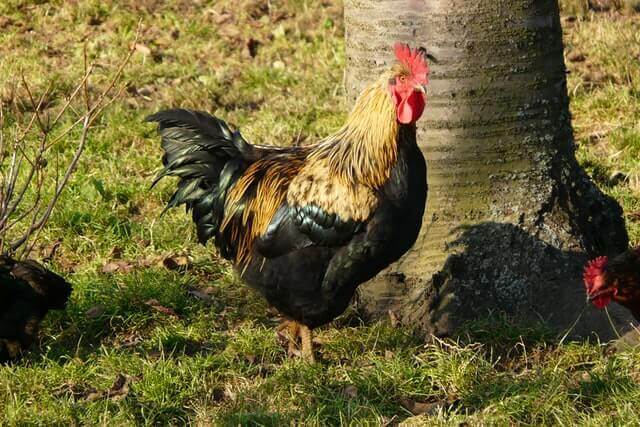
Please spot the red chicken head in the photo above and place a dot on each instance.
(408, 83)
(599, 290)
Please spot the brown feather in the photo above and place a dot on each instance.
(355, 161)
(341, 174)
(271, 177)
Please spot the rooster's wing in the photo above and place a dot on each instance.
(296, 227)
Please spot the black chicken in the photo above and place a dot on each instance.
(27, 292)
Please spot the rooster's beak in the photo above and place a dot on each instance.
(420, 88)
(591, 297)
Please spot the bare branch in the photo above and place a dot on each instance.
(38, 223)
(37, 107)
(33, 180)
(72, 97)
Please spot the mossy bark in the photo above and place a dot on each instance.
(511, 217)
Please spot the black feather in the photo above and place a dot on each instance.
(208, 158)
(27, 292)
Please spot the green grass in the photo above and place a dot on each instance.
(218, 361)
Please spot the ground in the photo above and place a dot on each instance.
(158, 331)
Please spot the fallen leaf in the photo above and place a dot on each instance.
(94, 21)
(222, 18)
(595, 76)
(120, 388)
(129, 341)
(635, 215)
(116, 252)
(155, 304)
(252, 46)
(229, 32)
(145, 50)
(279, 16)
(217, 394)
(419, 408)
(576, 57)
(5, 21)
(95, 312)
(201, 295)
(229, 393)
(49, 253)
(146, 90)
(77, 391)
(121, 266)
(178, 263)
(93, 395)
(350, 391)
(149, 261)
(617, 177)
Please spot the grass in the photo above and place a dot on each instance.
(204, 352)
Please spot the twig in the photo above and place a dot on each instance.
(72, 166)
(14, 169)
(13, 195)
(37, 108)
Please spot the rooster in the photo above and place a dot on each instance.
(306, 225)
(27, 292)
(616, 279)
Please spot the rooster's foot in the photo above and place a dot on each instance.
(293, 330)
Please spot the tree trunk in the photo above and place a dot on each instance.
(511, 217)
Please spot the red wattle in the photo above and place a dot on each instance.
(405, 113)
(410, 109)
(601, 301)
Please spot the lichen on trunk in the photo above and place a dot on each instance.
(511, 217)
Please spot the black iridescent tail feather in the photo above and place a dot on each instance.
(208, 158)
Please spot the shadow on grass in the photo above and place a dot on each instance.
(150, 309)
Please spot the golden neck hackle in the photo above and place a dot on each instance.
(365, 149)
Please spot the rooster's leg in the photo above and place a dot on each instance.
(291, 331)
(307, 344)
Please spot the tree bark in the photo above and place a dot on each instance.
(511, 217)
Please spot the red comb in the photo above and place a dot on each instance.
(593, 269)
(414, 61)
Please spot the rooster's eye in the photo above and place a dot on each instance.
(402, 79)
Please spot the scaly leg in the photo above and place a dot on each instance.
(292, 330)
(307, 344)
